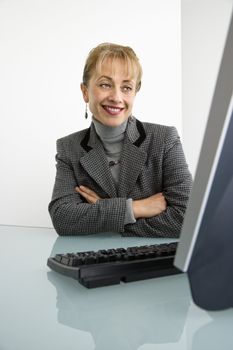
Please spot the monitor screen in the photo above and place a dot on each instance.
(205, 248)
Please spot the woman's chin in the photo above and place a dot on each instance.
(112, 121)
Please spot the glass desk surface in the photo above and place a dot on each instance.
(41, 309)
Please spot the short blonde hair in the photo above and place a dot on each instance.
(104, 51)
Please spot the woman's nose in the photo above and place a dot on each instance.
(115, 95)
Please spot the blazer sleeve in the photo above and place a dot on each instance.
(177, 182)
(71, 214)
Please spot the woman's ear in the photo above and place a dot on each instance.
(85, 92)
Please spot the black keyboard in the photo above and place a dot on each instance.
(106, 267)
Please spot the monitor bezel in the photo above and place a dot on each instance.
(216, 128)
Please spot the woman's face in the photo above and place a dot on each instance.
(110, 93)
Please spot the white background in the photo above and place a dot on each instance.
(43, 47)
(44, 44)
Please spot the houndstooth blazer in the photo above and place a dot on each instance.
(152, 161)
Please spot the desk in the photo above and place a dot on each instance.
(42, 310)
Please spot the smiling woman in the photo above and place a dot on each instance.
(111, 78)
(110, 93)
(120, 174)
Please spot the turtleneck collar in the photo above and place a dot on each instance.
(107, 133)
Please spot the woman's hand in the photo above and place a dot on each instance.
(142, 208)
(90, 196)
(148, 207)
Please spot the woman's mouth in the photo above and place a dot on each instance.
(112, 110)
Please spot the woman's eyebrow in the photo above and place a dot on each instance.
(109, 78)
(104, 77)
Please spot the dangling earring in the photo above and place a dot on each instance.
(86, 114)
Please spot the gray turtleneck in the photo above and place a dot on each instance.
(112, 139)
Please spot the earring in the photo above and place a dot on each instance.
(86, 114)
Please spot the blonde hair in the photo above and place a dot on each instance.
(104, 51)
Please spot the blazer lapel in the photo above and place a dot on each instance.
(96, 165)
(133, 158)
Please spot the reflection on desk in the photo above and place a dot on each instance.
(156, 314)
(124, 316)
(217, 334)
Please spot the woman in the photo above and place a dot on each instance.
(120, 174)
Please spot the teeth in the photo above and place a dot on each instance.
(113, 109)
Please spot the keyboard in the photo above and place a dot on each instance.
(111, 266)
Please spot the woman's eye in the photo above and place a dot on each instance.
(105, 85)
(127, 88)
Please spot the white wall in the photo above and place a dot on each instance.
(43, 46)
(204, 29)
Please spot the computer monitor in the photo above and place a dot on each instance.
(205, 248)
